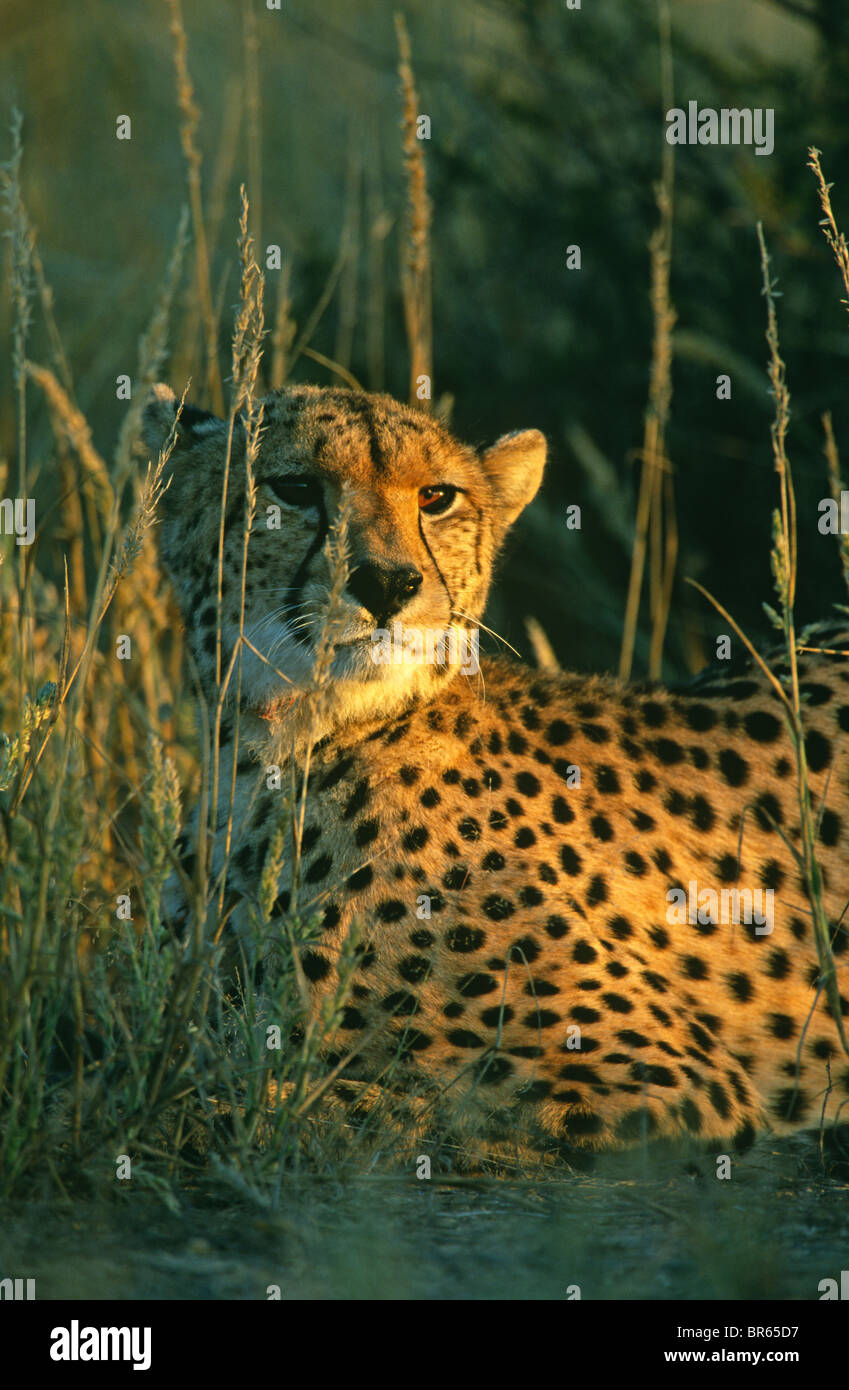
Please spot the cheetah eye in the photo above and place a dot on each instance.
(437, 499)
(295, 492)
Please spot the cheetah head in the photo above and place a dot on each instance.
(426, 516)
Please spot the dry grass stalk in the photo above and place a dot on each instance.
(656, 529)
(190, 116)
(247, 352)
(836, 484)
(415, 262)
(76, 430)
(784, 565)
(835, 238)
(22, 239)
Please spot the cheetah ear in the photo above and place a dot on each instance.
(158, 420)
(514, 465)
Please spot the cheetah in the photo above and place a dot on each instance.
(526, 852)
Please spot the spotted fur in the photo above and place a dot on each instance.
(519, 961)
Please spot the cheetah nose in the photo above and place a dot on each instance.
(384, 589)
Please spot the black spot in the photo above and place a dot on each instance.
(456, 878)
(618, 1003)
(474, 985)
(319, 868)
(740, 986)
(606, 780)
(817, 750)
(620, 927)
(366, 831)
(390, 910)
(357, 799)
(315, 966)
(430, 797)
(651, 1073)
(493, 861)
(691, 1116)
(762, 726)
(535, 1090)
(496, 1016)
(659, 937)
(416, 838)
(734, 769)
(562, 812)
(699, 717)
(541, 1018)
(667, 750)
(578, 1071)
(641, 821)
(570, 860)
(541, 988)
(694, 968)
(778, 964)
(596, 733)
(524, 837)
(829, 828)
(492, 1070)
(462, 1037)
(413, 969)
(454, 1010)
(582, 1014)
(597, 891)
(772, 874)
(410, 775)
(528, 784)
(558, 732)
(361, 879)
(601, 828)
(464, 939)
(523, 949)
(635, 863)
(583, 952)
(644, 781)
(632, 1038)
(781, 1026)
(790, 1104)
(401, 1002)
(529, 896)
(557, 927)
(701, 813)
(497, 907)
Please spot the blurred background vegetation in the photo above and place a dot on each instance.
(547, 130)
